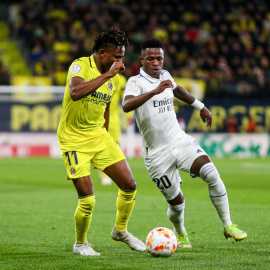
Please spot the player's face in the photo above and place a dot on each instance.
(152, 61)
(111, 55)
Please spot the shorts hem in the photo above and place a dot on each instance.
(69, 178)
(173, 196)
(202, 154)
(114, 162)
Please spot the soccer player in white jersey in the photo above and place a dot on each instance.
(166, 147)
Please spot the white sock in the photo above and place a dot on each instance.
(217, 192)
(175, 213)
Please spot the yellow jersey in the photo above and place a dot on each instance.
(80, 118)
(114, 123)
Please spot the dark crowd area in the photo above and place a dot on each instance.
(225, 43)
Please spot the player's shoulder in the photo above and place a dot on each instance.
(165, 73)
(79, 66)
(134, 86)
(81, 61)
(135, 79)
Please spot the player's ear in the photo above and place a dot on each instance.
(101, 53)
(141, 58)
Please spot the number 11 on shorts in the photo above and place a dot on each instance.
(74, 154)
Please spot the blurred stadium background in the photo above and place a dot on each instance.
(217, 50)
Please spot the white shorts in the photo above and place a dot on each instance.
(163, 169)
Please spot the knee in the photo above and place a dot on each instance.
(179, 199)
(131, 185)
(127, 186)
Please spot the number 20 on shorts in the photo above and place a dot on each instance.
(162, 182)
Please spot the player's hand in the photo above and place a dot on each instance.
(117, 67)
(162, 86)
(206, 116)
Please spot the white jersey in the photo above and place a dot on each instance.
(156, 118)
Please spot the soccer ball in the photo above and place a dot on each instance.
(161, 242)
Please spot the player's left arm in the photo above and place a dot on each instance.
(182, 94)
(107, 116)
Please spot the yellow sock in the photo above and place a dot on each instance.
(83, 216)
(124, 203)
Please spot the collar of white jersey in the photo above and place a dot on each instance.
(149, 78)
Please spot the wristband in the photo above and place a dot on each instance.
(197, 104)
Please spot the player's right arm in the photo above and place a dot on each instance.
(79, 88)
(131, 102)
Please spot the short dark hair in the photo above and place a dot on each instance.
(111, 37)
(151, 43)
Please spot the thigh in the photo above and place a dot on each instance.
(198, 163)
(179, 199)
(77, 163)
(108, 156)
(84, 186)
(165, 175)
(77, 156)
(78, 169)
(188, 152)
(121, 174)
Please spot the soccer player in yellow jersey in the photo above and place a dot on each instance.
(84, 139)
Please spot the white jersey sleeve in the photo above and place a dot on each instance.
(133, 88)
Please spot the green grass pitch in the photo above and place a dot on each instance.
(37, 206)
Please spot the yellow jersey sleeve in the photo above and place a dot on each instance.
(78, 69)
